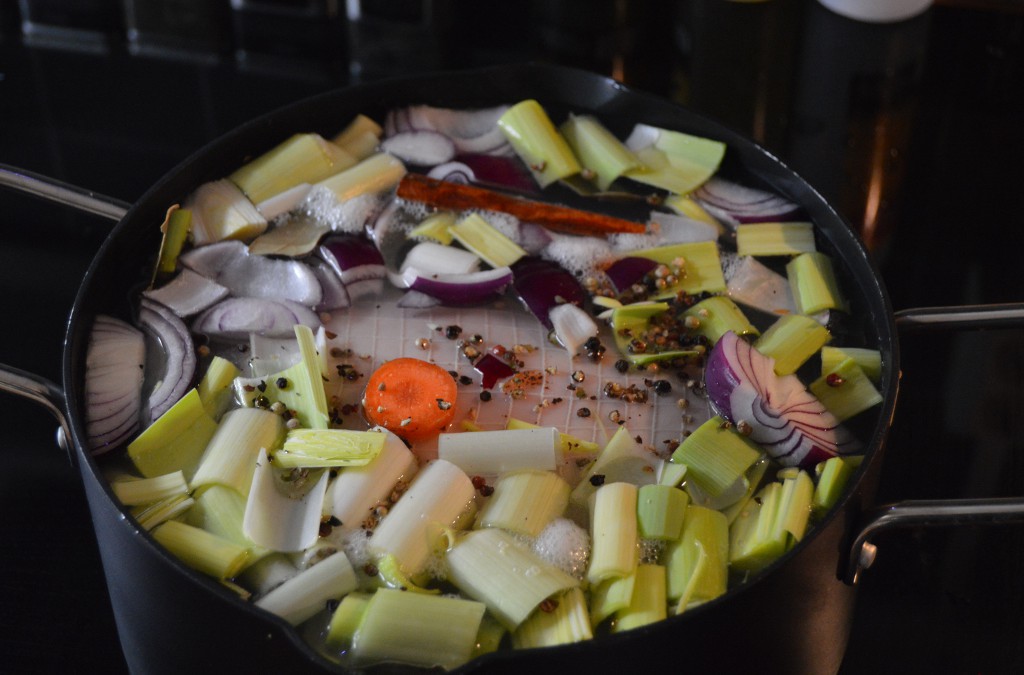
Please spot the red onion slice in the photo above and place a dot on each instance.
(492, 369)
(455, 290)
(453, 172)
(115, 363)
(180, 356)
(734, 203)
(472, 131)
(627, 271)
(542, 285)
(358, 263)
(253, 276)
(236, 318)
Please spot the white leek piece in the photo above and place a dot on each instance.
(374, 174)
(764, 239)
(306, 593)
(303, 158)
(230, 458)
(220, 210)
(214, 388)
(698, 562)
(563, 620)
(525, 502)
(283, 515)
(356, 129)
(489, 566)
(599, 151)
(188, 293)
(622, 460)
(357, 489)
(754, 284)
(170, 508)
(649, 601)
(572, 326)
(283, 202)
(328, 448)
(201, 550)
(613, 530)
(268, 573)
(221, 510)
(132, 492)
(414, 527)
(489, 453)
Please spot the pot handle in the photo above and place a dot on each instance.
(60, 192)
(42, 391)
(928, 513)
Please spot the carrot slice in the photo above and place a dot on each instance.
(410, 397)
(456, 196)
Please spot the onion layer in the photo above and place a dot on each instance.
(114, 369)
(180, 364)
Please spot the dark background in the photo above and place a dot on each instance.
(912, 129)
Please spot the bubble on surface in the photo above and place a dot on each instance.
(565, 545)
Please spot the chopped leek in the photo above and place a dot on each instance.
(613, 530)
(221, 211)
(176, 440)
(216, 384)
(763, 239)
(437, 227)
(629, 326)
(376, 173)
(306, 593)
(623, 459)
(201, 550)
(563, 621)
(603, 156)
(716, 456)
(346, 619)
(701, 263)
(685, 205)
(133, 492)
(567, 443)
(221, 511)
(175, 231)
(301, 387)
(524, 502)
(649, 600)
(324, 448)
(283, 509)
(672, 160)
(698, 562)
(833, 474)
(869, 360)
(813, 281)
(356, 129)
(718, 315)
(485, 240)
(791, 340)
(230, 457)
(151, 515)
(537, 142)
(610, 596)
(488, 453)
(845, 390)
(303, 158)
(660, 510)
(771, 523)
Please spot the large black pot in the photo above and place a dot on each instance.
(794, 617)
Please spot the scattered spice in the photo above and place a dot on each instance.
(583, 412)
(452, 332)
(834, 380)
(597, 480)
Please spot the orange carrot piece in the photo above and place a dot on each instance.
(412, 398)
(457, 196)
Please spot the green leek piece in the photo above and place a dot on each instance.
(649, 603)
(489, 637)
(622, 460)
(537, 142)
(761, 239)
(200, 550)
(360, 138)
(685, 205)
(220, 510)
(304, 595)
(301, 387)
(391, 575)
(220, 210)
(376, 173)
(566, 622)
(303, 158)
(772, 523)
(629, 326)
(869, 360)
(846, 390)
(327, 448)
(568, 444)
(672, 474)
(157, 513)
(611, 596)
(230, 456)
(660, 510)
(813, 281)
(524, 502)
(754, 476)
(175, 231)
(416, 629)
(214, 389)
(345, 621)
(436, 227)
(718, 315)
(673, 160)
(602, 155)
(701, 264)
(791, 340)
(490, 566)
(833, 474)
(175, 441)
(716, 456)
(134, 492)
(698, 562)
(485, 240)
(613, 532)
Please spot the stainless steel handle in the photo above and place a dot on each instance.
(42, 391)
(965, 317)
(60, 192)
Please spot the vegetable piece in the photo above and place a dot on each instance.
(420, 148)
(411, 398)
(356, 130)
(180, 365)
(432, 258)
(649, 600)
(489, 453)
(675, 229)
(499, 171)
(159, 512)
(791, 340)
(231, 455)
(567, 443)
(572, 326)
(717, 315)
(613, 530)
(525, 502)
(814, 284)
(542, 285)
(673, 160)
(237, 318)
(472, 131)
(492, 370)
(187, 293)
(458, 290)
(215, 386)
(772, 523)
(869, 360)
(283, 508)
(301, 386)
(326, 448)
(414, 527)
(565, 622)
(486, 241)
(114, 370)
(303, 158)
(376, 173)
(623, 459)
(630, 325)
(296, 237)
(358, 263)
(698, 563)
(716, 456)
(220, 510)
(306, 593)
(784, 418)
(752, 283)
(416, 629)
(537, 142)
(220, 210)
(762, 239)
(660, 510)
(175, 229)
(611, 596)
(733, 203)
(176, 440)
(845, 390)
(201, 550)
(629, 270)
(701, 264)
(284, 202)
(490, 566)
(602, 155)
(346, 619)
(435, 227)
(447, 195)
(833, 474)
(687, 206)
(253, 276)
(133, 492)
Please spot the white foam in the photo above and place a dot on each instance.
(565, 545)
(580, 255)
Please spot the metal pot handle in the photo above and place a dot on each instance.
(42, 391)
(929, 513)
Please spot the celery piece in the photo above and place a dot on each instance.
(833, 474)
(326, 448)
(685, 205)
(660, 510)
(771, 523)
(303, 595)
(761, 239)
(525, 502)
(537, 142)
(613, 531)
(376, 173)
(201, 550)
(356, 129)
(621, 460)
(216, 383)
(698, 561)
(649, 603)
(175, 441)
(301, 387)
(564, 620)
(283, 509)
(611, 596)
(603, 156)
(869, 360)
(672, 474)
(489, 453)
(791, 340)
(567, 443)
(845, 390)
(230, 456)
(813, 281)
(133, 492)
(490, 566)
(700, 262)
(302, 158)
(221, 211)
(486, 241)
(436, 227)
(673, 160)
(175, 231)
(718, 315)
(345, 620)
(629, 328)
(716, 456)
(170, 508)
(416, 629)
